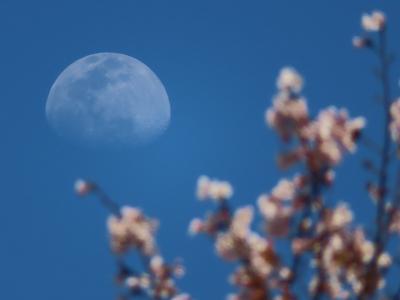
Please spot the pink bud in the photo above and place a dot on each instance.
(82, 187)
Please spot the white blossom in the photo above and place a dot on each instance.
(289, 79)
(374, 21)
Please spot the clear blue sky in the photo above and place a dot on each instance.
(218, 61)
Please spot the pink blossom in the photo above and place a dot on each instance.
(132, 230)
(373, 22)
(395, 222)
(213, 189)
(361, 42)
(384, 260)
(181, 297)
(229, 244)
(157, 265)
(335, 133)
(287, 115)
(196, 226)
(82, 187)
(242, 219)
(285, 190)
(289, 79)
(269, 209)
(341, 216)
(394, 126)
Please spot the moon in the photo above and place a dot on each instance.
(108, 98)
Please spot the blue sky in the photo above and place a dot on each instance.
(218, 61)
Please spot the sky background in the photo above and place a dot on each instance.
(218, 61)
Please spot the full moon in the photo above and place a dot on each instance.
(108, 98)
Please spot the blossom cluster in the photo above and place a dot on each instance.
(213, 189)
(131, 230)
(375, 22)
(289, 114)
(323, 140)
(235, 241)
(343, 254)
(278, 207)
(319, 144)
(345, 261)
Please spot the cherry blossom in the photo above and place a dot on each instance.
(375, 21)
(132, 230)
(289, 80)
(83, 187)
(213, 189)
(395, 122)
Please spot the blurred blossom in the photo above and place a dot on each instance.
(367, 250)
(284, 190)
(276, 214)
(335, 133)
(237, 242)
(341, 216)
(312, 286)
(157, 265)
(242, 219)
(361, 42)
(329, 177)
(196, 226)
(323, 141)
(132, 230)
(138, 282)
(288, 115)
(268, 208)
(289, 158)
(395, 121)
(300, 245)
(278, 207)
(384, 260)
(133, 282)
(82, 187)
(213, 223)
(182, 297)
(229, 245)
(346, 262)
(289, 80)
(233, 297)
(335, 124)
(285, 273)
(213, 189)
(345, 255)
(374, 192)
(179, 270)
(225, 246)
(373, 22)
(394, 225)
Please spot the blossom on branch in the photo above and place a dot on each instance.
(374, 21)
(361, 42)
(82, 187)
(289, 80)
(132, 230)
(213, 189)
(394, 125)
(335, 133)
(288, 115)
(279, 206)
